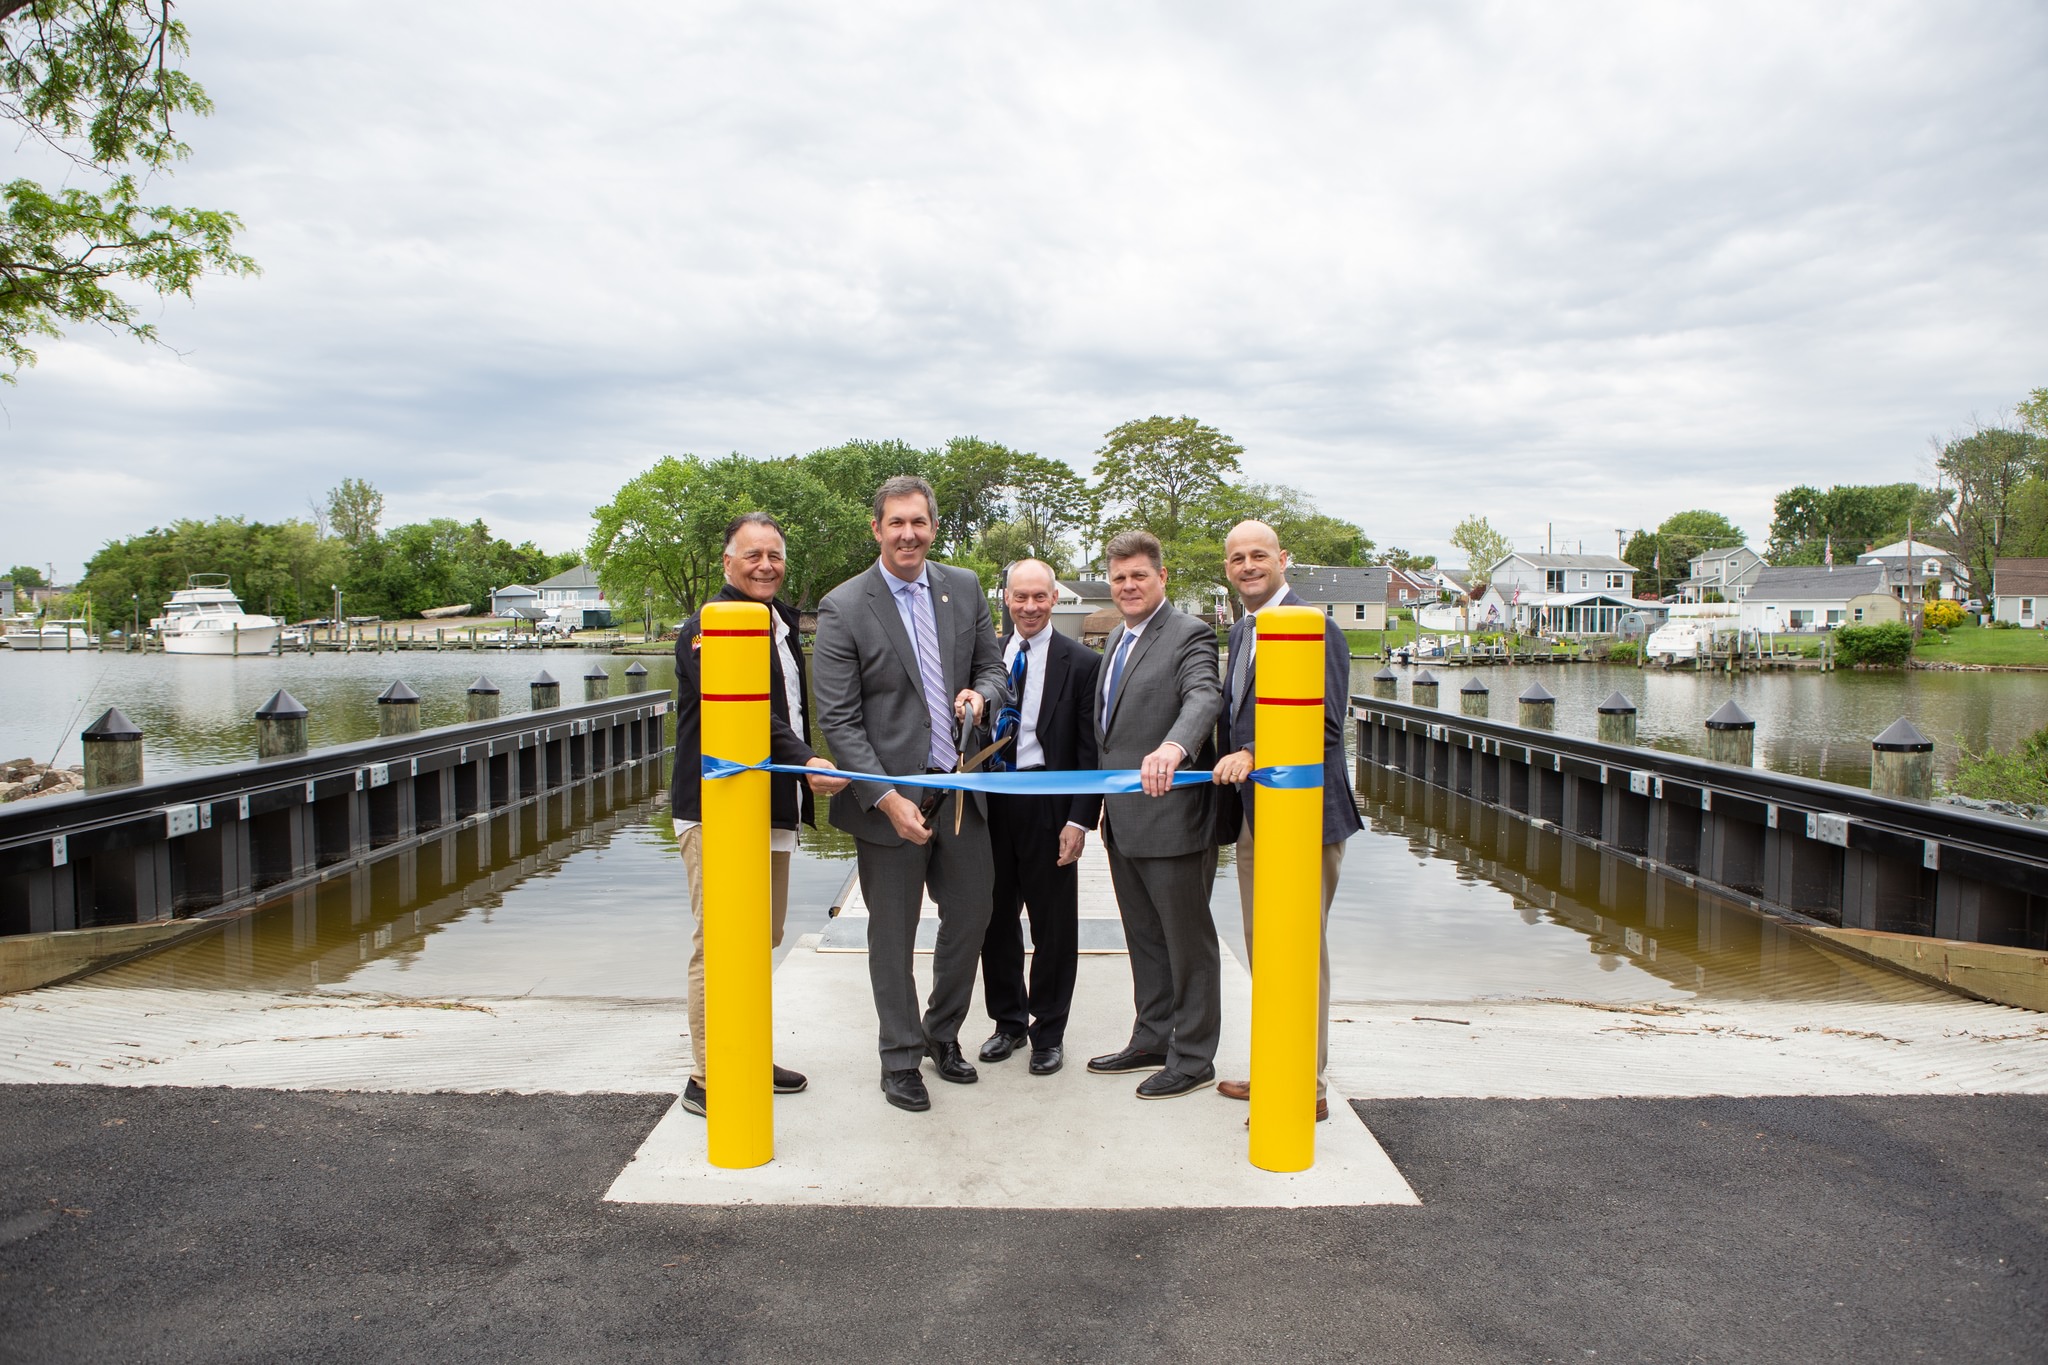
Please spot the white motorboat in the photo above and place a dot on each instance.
(204, 617)
(49, 635)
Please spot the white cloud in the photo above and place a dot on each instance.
(1581, 265)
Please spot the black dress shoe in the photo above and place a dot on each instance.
(905, 1090)
(952, 1066)
(1166, 1085)
(1130, 1059)
(999, 1046)
(1046, 1060)
(789, 1082)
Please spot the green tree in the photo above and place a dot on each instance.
(1997, 474)
(353, 510)
(1402, 559)
(1663, 557)
(27, 576)
(282, 569)
(1483, 547)
(440, 563)
(969, 479)
(97, 82)
(1050, 502)
(1158, 472)
(1849, 518)
(664, 531)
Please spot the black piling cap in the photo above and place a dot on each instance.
(636, 670)
(1473, 685)
(396, 693)
(1385, 675)
(113, 726)
(484, 686)
(1730, 717)
(1424, 679)
(1535, 693)
(596, 672)
(281, 706)
(1617, 705)
(1902, 737)
(545, 679)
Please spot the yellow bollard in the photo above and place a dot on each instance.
(1287, 891)
(738, 1013)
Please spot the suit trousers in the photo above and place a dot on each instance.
(1176, 967)
(691, 841)
(1333, 863)
(893, 879)
(1024, 838)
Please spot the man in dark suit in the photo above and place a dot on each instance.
(1257, 567)
(756, 562)
(902, 651)
(1037, 840)
(1156, 711)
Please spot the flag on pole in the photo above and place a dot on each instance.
(1828, 556)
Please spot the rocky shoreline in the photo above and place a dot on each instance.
(24, 778)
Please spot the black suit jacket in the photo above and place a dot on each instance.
(1240, 723)
(1066, 728)
(790, 797)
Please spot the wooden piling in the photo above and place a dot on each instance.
(597, 684)
(1731, 736)
(1902, 762)
(1472, 697)
(1617, 720)
(1384, 683)
(398, 710)
(483, 699)
(113, 751)
(547, 693)
(636, 677)
(280, 726)
(1536, 709)
(1423, 690)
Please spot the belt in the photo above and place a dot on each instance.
(1034, 768)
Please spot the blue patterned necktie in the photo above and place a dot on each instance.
(1010, 720)
(933, 678)
(1116, 676)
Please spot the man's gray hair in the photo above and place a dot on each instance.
(732, 528)
(902, 486)
(1130, 544)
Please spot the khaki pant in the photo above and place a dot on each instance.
(1333, 862)
(691, 841)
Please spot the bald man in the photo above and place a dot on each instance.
(1257, 567)
(1037, 840)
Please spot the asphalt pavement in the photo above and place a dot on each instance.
(190, 1224)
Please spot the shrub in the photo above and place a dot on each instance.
(1624, 652)
(1943, 615)
(2020, 777)
(1882, 646)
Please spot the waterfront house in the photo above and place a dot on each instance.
(1917, 568)
(509, 600)
(1722, 575)
(2019, 591)
(1356, 599)
(1411, 587)
(574, 598)
(1793, 598)
(1558, 594)
(6, 597)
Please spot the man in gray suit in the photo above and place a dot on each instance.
(1257, 567)
(902, 650)
(1156, 709)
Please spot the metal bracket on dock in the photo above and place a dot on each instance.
(60, 850)
(1930, 854)
(1828, 829)
(1639, 783)
(380, 775)
(180, 820)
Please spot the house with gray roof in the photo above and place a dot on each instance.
(2019, 591)
(1722, 575)
(1558, 594)
(1805, 597)
(1356, 599)
(1918, 569)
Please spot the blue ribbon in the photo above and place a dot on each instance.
(1077, 782)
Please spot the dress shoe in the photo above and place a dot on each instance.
(1000, 1045)
(693, 1098)
(952, 1066)
(1130, 1059)
(905, 1089)
(1166, 1085)
(1046, 1060)
(789, 1082)
(1234, 1090)
(1322, 1111)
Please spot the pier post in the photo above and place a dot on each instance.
(398, 710)
(1617, 720)
(636, 677)
(1287, 892)
(597, 684)
(738, 999)
(547, 693)
(1384, 683)
(113, 751)
(1731, 736)
(280, 726)
(1901, 762)
(1423, 690)
(1472, 697)
(483, 699)
(1536, 709)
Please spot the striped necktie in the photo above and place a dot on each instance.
(1116, 676)
(1010, 720)
(933, 677)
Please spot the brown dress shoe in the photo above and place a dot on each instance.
(1234, 1090)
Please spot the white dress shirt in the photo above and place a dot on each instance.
(1030, 753)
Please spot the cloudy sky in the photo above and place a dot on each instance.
(1576, 265)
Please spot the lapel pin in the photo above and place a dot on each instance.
(944, 598)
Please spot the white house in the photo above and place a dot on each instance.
(1575, 594)
(2019, 590)
(1916, 568)
(1725, 573)
(1790, 598)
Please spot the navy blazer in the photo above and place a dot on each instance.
(1240, 723)
(1066, 726)
(789, 797)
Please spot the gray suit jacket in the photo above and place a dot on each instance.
(866, 692)
(1170, 690)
